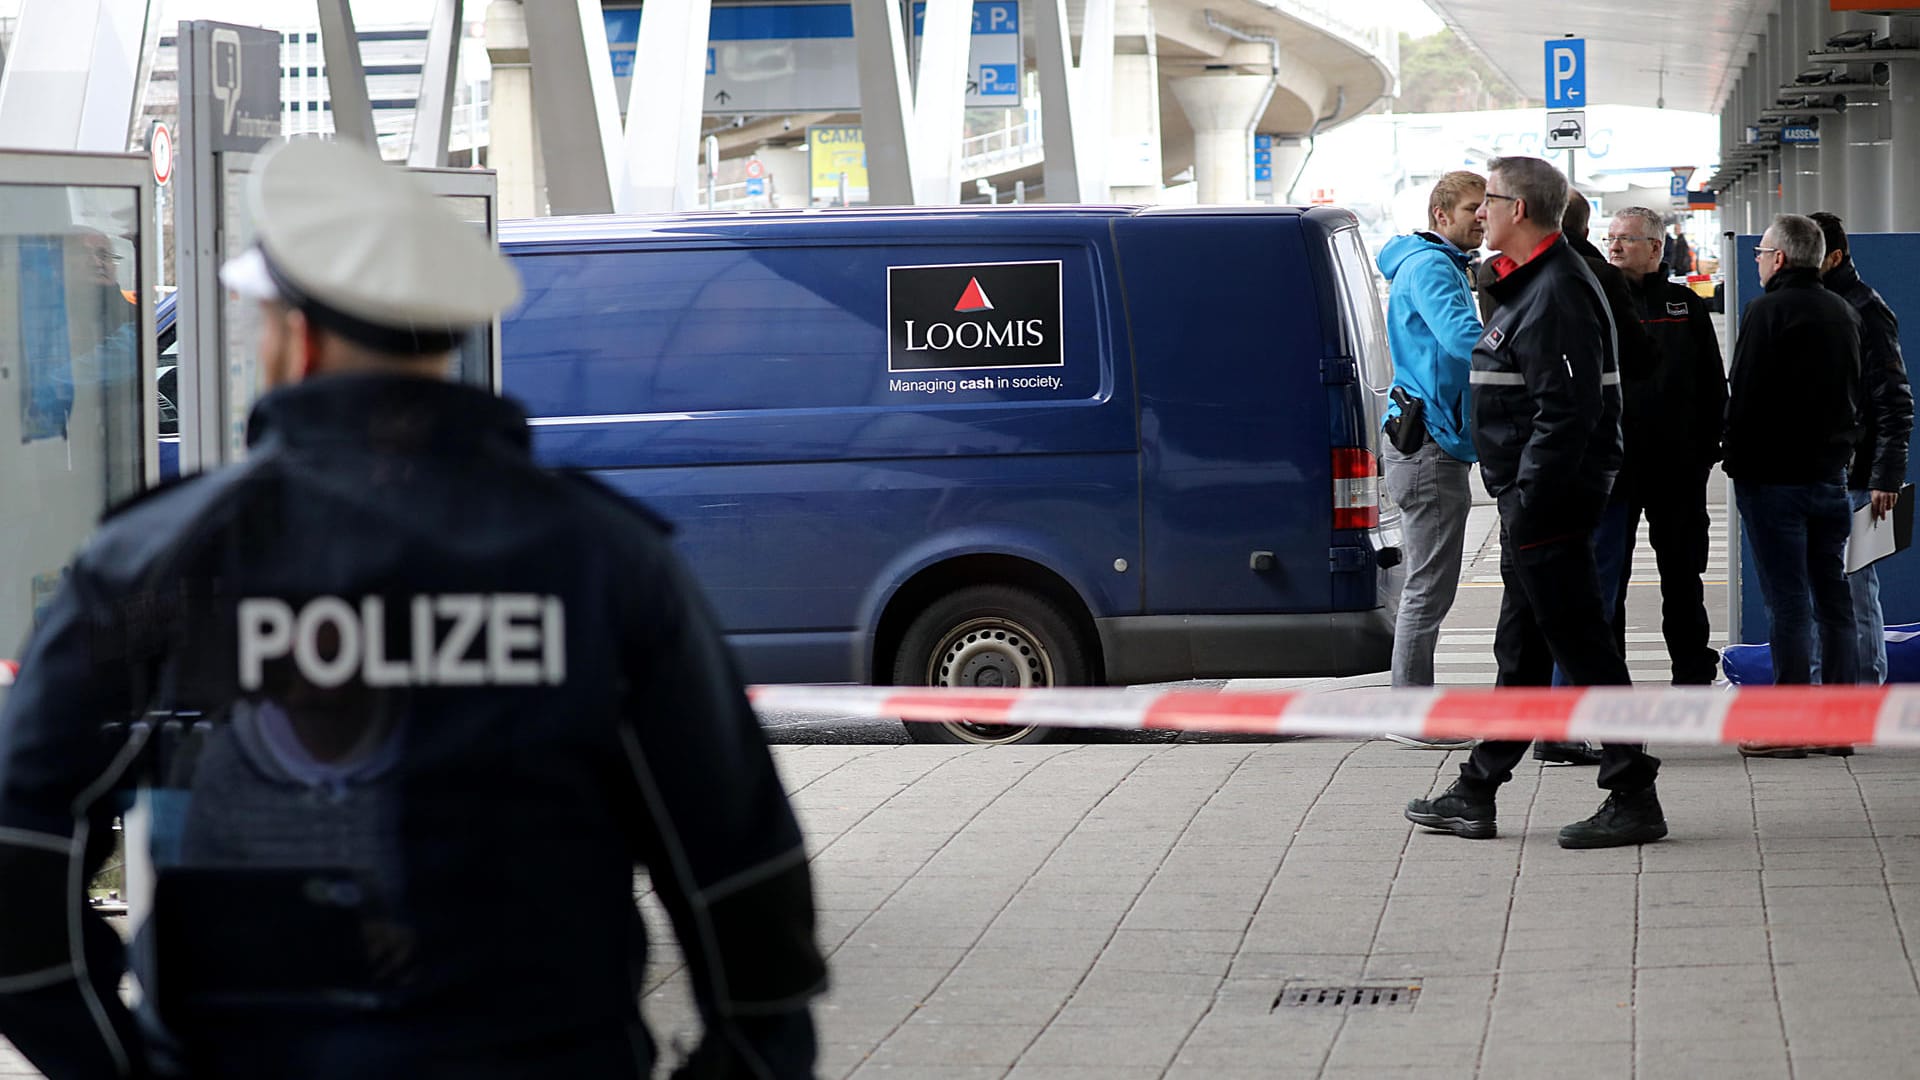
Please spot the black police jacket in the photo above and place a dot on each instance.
(1673, 420)
(1546, 399)
(1795, 379)
(410, 710)
(1886, 405)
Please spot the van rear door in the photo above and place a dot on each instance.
(1233, 414)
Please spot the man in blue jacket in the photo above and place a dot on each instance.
(1428, 456)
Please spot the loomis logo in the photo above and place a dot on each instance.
(982, 315)
(973, 299)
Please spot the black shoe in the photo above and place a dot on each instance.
(1459, 810)
(1566, 753)
(1627, 817)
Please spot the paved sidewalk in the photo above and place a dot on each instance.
(1134, 911)
(1119, 911)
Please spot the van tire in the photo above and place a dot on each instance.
(990, 636)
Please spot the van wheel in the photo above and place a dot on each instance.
(989, 636)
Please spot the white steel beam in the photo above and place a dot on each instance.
(1057, 106)
(1093, 101)
(433, 111)
(346, 75)
(885, 107)
(940, 101)
(73, 76)
(664, 99)
(574, 110)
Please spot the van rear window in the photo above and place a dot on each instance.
(797, 327)
(1362, 311)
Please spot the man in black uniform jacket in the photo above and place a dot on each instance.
(1546, 412)
(1672, 425)
(1880, 456)
(408, 711)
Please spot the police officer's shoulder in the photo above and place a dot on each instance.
(137, 529)
(597, 494)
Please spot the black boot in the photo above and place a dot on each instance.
(1627, 817)
(1566, 753)
(1460, 810)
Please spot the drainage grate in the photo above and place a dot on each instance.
(1395, 996)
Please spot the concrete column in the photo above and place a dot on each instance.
(1903, 213)
(1832, 163)
(789, 180)
(1787, 26)
(513, 150)
(1134, 167)
(1833, 129)
(1222, 109)
(1869, 127)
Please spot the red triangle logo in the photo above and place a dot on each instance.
(973, 299)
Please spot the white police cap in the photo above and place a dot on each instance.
(365, 251)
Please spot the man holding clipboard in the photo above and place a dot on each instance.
(1880, 457)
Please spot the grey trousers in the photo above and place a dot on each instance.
(1434, 491)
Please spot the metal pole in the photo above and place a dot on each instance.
(713, 168)
(843, 189)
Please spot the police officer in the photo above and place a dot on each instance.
(407, 711)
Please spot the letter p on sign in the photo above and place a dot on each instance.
(1566, 73)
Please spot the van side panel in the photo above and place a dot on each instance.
(741, 388)
(1235, 455)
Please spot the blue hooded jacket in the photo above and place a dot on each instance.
(1432, 327)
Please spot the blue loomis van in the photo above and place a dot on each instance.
(1019, 446)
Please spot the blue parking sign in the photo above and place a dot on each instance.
(1566, 73)
(1263, 142)
(1263, 157)
(1263, 174)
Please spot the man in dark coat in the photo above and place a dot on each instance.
(1880, 457)
(1792, 425)
(1546, 412)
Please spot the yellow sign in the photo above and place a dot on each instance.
(834, 151)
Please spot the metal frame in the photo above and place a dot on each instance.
(473, 184)
(25, 168)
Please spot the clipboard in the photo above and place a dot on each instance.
(1869, 541)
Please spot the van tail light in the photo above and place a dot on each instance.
(1356, 488)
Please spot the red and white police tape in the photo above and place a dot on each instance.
(1699, 715)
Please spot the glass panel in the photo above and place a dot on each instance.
(473, 363)
(71, 390)
(241, 318)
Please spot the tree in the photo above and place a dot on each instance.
(1438, 73)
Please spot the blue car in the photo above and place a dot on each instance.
(984, 447)
(166, 322)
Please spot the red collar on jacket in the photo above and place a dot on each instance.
(1504, 266)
